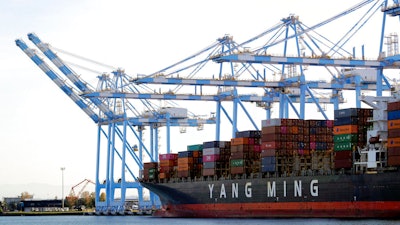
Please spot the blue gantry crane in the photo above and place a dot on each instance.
(120, 127)
(239, 79)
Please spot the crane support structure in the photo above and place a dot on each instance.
(242, 80)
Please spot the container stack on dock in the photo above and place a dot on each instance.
(216, 158)
(168, 165)
(245, 153)
(393, 144)
(350, 133)
(190, 162)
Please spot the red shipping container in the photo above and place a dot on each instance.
(171, 162)
(340, 155)
(393, 151)
(209, 172)
(149, 165)
(257, 148)
(284, 130)
(168, 156)
(184, 173)
(267, 152)
(271, 145)
(394, 160)
(393, 133)
(303, 152)
(240, 155)
(271, 130)
(272, 137)
(393, 106)
(167, 169)
(210, 158)
(329, 124)
(237, 170)
(343, 163)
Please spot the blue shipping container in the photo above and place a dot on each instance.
(346, 112)
(185, 154)
(394, 115)
(268, 160)
(346, 121)
(268, 168)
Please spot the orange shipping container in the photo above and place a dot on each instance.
(196, 154)
(240, 141)
(185, 167)
(162, 175)
(294, 130)
(345, 129)
(185, 160)
(167, 163)
(393, 142)
(393, 124)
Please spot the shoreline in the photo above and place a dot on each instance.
(45, 213)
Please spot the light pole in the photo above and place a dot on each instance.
(62, 187)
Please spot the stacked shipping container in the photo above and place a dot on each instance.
(216, 158)
(289, 145)
(168, 164)
(245, 153)
(150, 171)
(285, 146)
(393, 144)
(350, 132)
(319, 133)
(190, 162)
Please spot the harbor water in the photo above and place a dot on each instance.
(149, 220)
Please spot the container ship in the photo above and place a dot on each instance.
(347, 167)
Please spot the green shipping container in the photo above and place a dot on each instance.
(344, 146)
(237, 162)
(198, 147)
(345, 138)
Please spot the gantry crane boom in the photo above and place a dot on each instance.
(223, 97)
(267, 59)
(251, 83)
(81, 102)
(72, 76)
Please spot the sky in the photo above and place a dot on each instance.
(43, 130)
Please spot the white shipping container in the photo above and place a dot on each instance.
(271, 122)
(211, 151)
